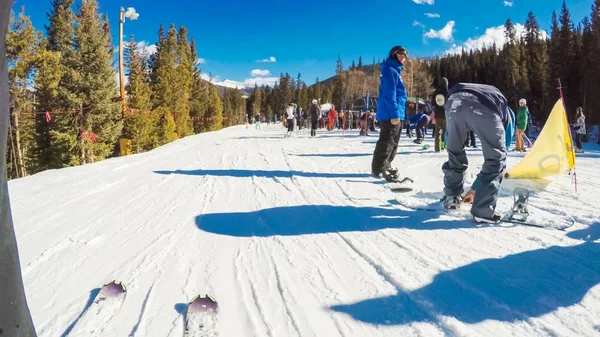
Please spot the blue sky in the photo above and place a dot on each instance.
(307, 36)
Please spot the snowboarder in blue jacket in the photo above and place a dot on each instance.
(391, 107)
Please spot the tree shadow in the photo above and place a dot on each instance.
(508, 289)
(93, 294)
(320, 219)
(335, 155)
(263, 173)
(257, 138)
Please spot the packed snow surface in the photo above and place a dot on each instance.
(293, 237)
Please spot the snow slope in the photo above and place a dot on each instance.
(294, 238)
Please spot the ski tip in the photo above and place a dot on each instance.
(203, 303)
(114, 288)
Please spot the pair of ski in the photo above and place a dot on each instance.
(201, 314)
(518, 214)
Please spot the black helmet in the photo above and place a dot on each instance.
(397, 50)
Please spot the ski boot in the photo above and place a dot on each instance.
(519, 210)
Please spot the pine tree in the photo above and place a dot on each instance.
(139, 124)
(360, 63)
(215, 110)
(536, 59)
(183, 85)
(591, 86)
(337, 96)
(166, 128)
(47, 87)
(567, 52)
(510, 64)
(256, 100)
(58, 139)
(20, 52)
(163, 65)
(199, 93)
(96, 86)
(554, 64)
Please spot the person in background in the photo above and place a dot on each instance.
(522, 117)
(289, 113)
(470, 142)
(391, 109)
(440, 95)
(332, 116)
(314, 112)
(419, 122)
(580, 130)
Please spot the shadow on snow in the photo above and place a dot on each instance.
(264, 173)
(508, 289)
(319, 219)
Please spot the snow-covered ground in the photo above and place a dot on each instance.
(294, 238)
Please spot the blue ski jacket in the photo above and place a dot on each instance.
(392, 92)
(414, 120)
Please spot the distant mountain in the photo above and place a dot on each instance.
(229, 84)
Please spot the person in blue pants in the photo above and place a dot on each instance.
(484, 110)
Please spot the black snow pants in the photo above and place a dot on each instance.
(386, 147)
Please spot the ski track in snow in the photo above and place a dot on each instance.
(293, 237)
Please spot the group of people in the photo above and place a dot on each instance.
(461, 112)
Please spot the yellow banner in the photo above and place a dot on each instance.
(552, 153)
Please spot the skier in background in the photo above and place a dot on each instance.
(522, 116)
(289, 112)
(579, 129)
(314, 112)
(483, 109)
(257, 122)
(15, 319)
(470, 142)
(440, 95)
(419, 122)
(299, 118)
(332, 116)
(391, 108)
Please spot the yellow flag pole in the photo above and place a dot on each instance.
(572, 148)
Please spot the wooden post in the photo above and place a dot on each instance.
(121, 70)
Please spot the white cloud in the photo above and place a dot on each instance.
(432, 15)
(492, 34)
(417, 23)
(509, 3)
(200, 61)
(271, 59)
(444, 34)
(270, 81)
(260, 72)
(144, 46)
(131, 14)
(421, 2)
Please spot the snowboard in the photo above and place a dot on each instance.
(402, 185)
(105, 306)
(462, 212)
(201, 318)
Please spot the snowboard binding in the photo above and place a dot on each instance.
(519, 210)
